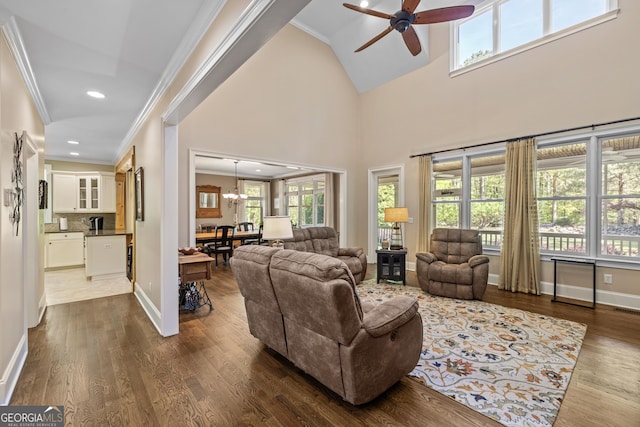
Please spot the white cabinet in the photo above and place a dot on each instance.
(108, 193)
(64, 249)
(64, 192)
(78, 192)
(88, 193)
(106, 256)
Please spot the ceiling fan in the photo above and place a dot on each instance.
(403, 20)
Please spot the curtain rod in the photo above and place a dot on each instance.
(528, 136)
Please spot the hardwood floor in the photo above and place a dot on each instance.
(105, 362)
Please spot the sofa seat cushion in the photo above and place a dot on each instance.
(461, 274)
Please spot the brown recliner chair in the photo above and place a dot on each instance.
(305, 306)
(455, 267)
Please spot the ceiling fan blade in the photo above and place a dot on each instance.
(409, 6)
(375, 39)
(443, 14)
(367, 11)
(411, 40)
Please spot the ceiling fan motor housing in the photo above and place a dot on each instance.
(402, 20)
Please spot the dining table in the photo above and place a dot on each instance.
(239, 236)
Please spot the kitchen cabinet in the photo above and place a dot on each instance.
(88, 193)
(64, 249)
(78, 192)
(64, 192)
(106, 256)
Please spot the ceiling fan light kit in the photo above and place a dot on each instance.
(403, 21)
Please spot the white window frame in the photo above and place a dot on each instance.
(547, 35)
(314, 180)
(263, 199)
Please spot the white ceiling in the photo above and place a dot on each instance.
(129, 49)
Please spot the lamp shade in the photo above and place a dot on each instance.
(276, 228)
(396, 215)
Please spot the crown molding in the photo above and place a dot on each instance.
(14, 40)
(199, 27)
(310, 31)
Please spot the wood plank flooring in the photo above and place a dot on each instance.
(104, 361)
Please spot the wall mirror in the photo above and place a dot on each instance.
(208, 201)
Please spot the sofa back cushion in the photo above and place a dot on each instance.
(250, 265)
(318, 293)
(454, 245)
(319, 240)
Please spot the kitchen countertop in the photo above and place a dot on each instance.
(90, 233)
(93, 233)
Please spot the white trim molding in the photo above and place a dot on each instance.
(12, 373)
(147, 305)
(14, 40)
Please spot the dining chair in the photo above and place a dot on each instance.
(245, 226)
(223, 244)
(255, 240)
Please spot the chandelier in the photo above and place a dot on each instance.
(235, 196)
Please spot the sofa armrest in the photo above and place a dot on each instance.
(477, 260)
(389, 315)
(427, 257)
(355, 252)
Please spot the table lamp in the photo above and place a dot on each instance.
(396, 215)
(275, 229)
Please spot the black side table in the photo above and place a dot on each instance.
(391, 264)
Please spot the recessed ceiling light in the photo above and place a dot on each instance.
(364, 3)
(258, 170)
(73, 153)
(73, 142)
(95, 94)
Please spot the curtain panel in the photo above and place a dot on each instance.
(425, 203)
(520, 255)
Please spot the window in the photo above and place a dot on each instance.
(503, 25)
(588, 189)
(447, 194)
(562, 198)
(477, 202)
(487, 198)
(305, 198)
(620, 197)
(254, 205)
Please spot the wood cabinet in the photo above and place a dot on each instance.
(76, 192)
(64, 249)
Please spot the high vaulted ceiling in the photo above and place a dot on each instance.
(131, 49)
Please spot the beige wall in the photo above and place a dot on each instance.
(17, 114)
(59, 165)
(588, 77)
(299, 108)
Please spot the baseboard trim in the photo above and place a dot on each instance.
(42, 307)
(616, 299)
(147, 305)
(12, 373)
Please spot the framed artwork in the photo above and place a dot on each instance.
(139, 194)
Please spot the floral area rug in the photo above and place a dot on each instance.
(508, 364)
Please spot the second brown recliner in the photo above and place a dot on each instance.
(455, 266)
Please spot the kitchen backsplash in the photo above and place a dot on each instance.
(80, 222)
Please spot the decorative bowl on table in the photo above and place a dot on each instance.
(188, 251)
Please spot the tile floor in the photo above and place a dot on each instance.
(70, 285)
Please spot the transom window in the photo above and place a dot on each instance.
(499, 26)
